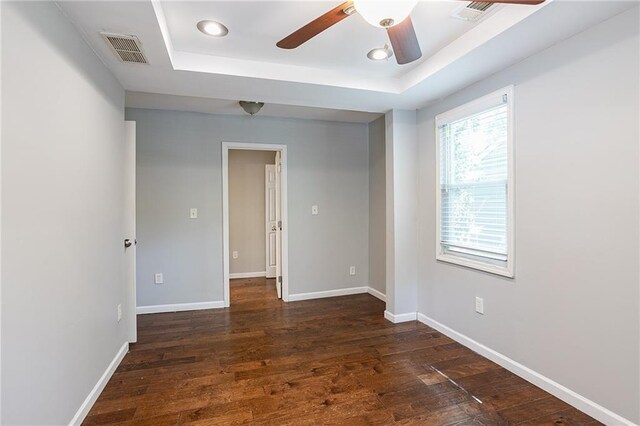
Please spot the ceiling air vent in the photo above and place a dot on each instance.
(127, 48)
(473, 11)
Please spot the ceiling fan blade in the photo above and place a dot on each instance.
(315, 27)
(531, 2)
(404, 41)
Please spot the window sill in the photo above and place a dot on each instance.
(478, 265)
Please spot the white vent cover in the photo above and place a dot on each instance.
(127, 48)
(473, 11)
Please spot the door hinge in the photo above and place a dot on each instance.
(279, 168)
(280, 225)
(280, 280)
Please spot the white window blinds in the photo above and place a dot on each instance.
(474, 182)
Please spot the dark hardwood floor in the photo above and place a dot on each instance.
(326, 361)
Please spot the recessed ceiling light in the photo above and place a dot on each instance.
(213, 28)
(380, 53)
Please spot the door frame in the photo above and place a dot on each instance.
(226, 146)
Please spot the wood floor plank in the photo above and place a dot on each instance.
(333, 361)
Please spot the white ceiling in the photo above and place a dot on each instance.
(256, 26)
(328, 77)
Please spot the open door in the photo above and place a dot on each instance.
(278, 168)
(271, 221)
(130, 228)
(281, 234)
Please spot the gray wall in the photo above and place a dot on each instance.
(571, 313)
(62, 216)
(179, 166)
(377, 206)
(247, 209)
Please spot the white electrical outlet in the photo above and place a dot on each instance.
(159, 279)
(480, 305)
(119, 312)
(314, 210)
(352, 270)
(235, 254)
(193, 213)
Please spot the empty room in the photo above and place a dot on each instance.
(319, 212)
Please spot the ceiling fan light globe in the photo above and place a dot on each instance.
(384, 14)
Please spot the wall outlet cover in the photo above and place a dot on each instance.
(193, 213)
(119, 312)
(480, 305)
(235, 254)
(314, 210)
(352, 270)
(159, 279)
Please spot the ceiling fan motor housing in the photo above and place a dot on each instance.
(387, 22)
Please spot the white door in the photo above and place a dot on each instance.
(130, 228)
(271, 221)
(278, 225)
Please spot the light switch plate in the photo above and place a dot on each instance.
(119, 312)
(159, 279)
(314, 210)
(480, 305)
(193, 213)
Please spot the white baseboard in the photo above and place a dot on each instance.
(178, 307)
(247, 275)
(328, 293)
(593, 409)
(375, 293)
(99, 387)
(409, 316)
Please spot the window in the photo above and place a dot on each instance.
(475, 184)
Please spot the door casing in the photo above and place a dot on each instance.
(226, 146)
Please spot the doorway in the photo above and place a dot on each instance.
(273, 232)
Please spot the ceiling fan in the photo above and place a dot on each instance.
(390, 15)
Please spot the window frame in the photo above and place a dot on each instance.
(468, 109)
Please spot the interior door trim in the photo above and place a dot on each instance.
(226, 146)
